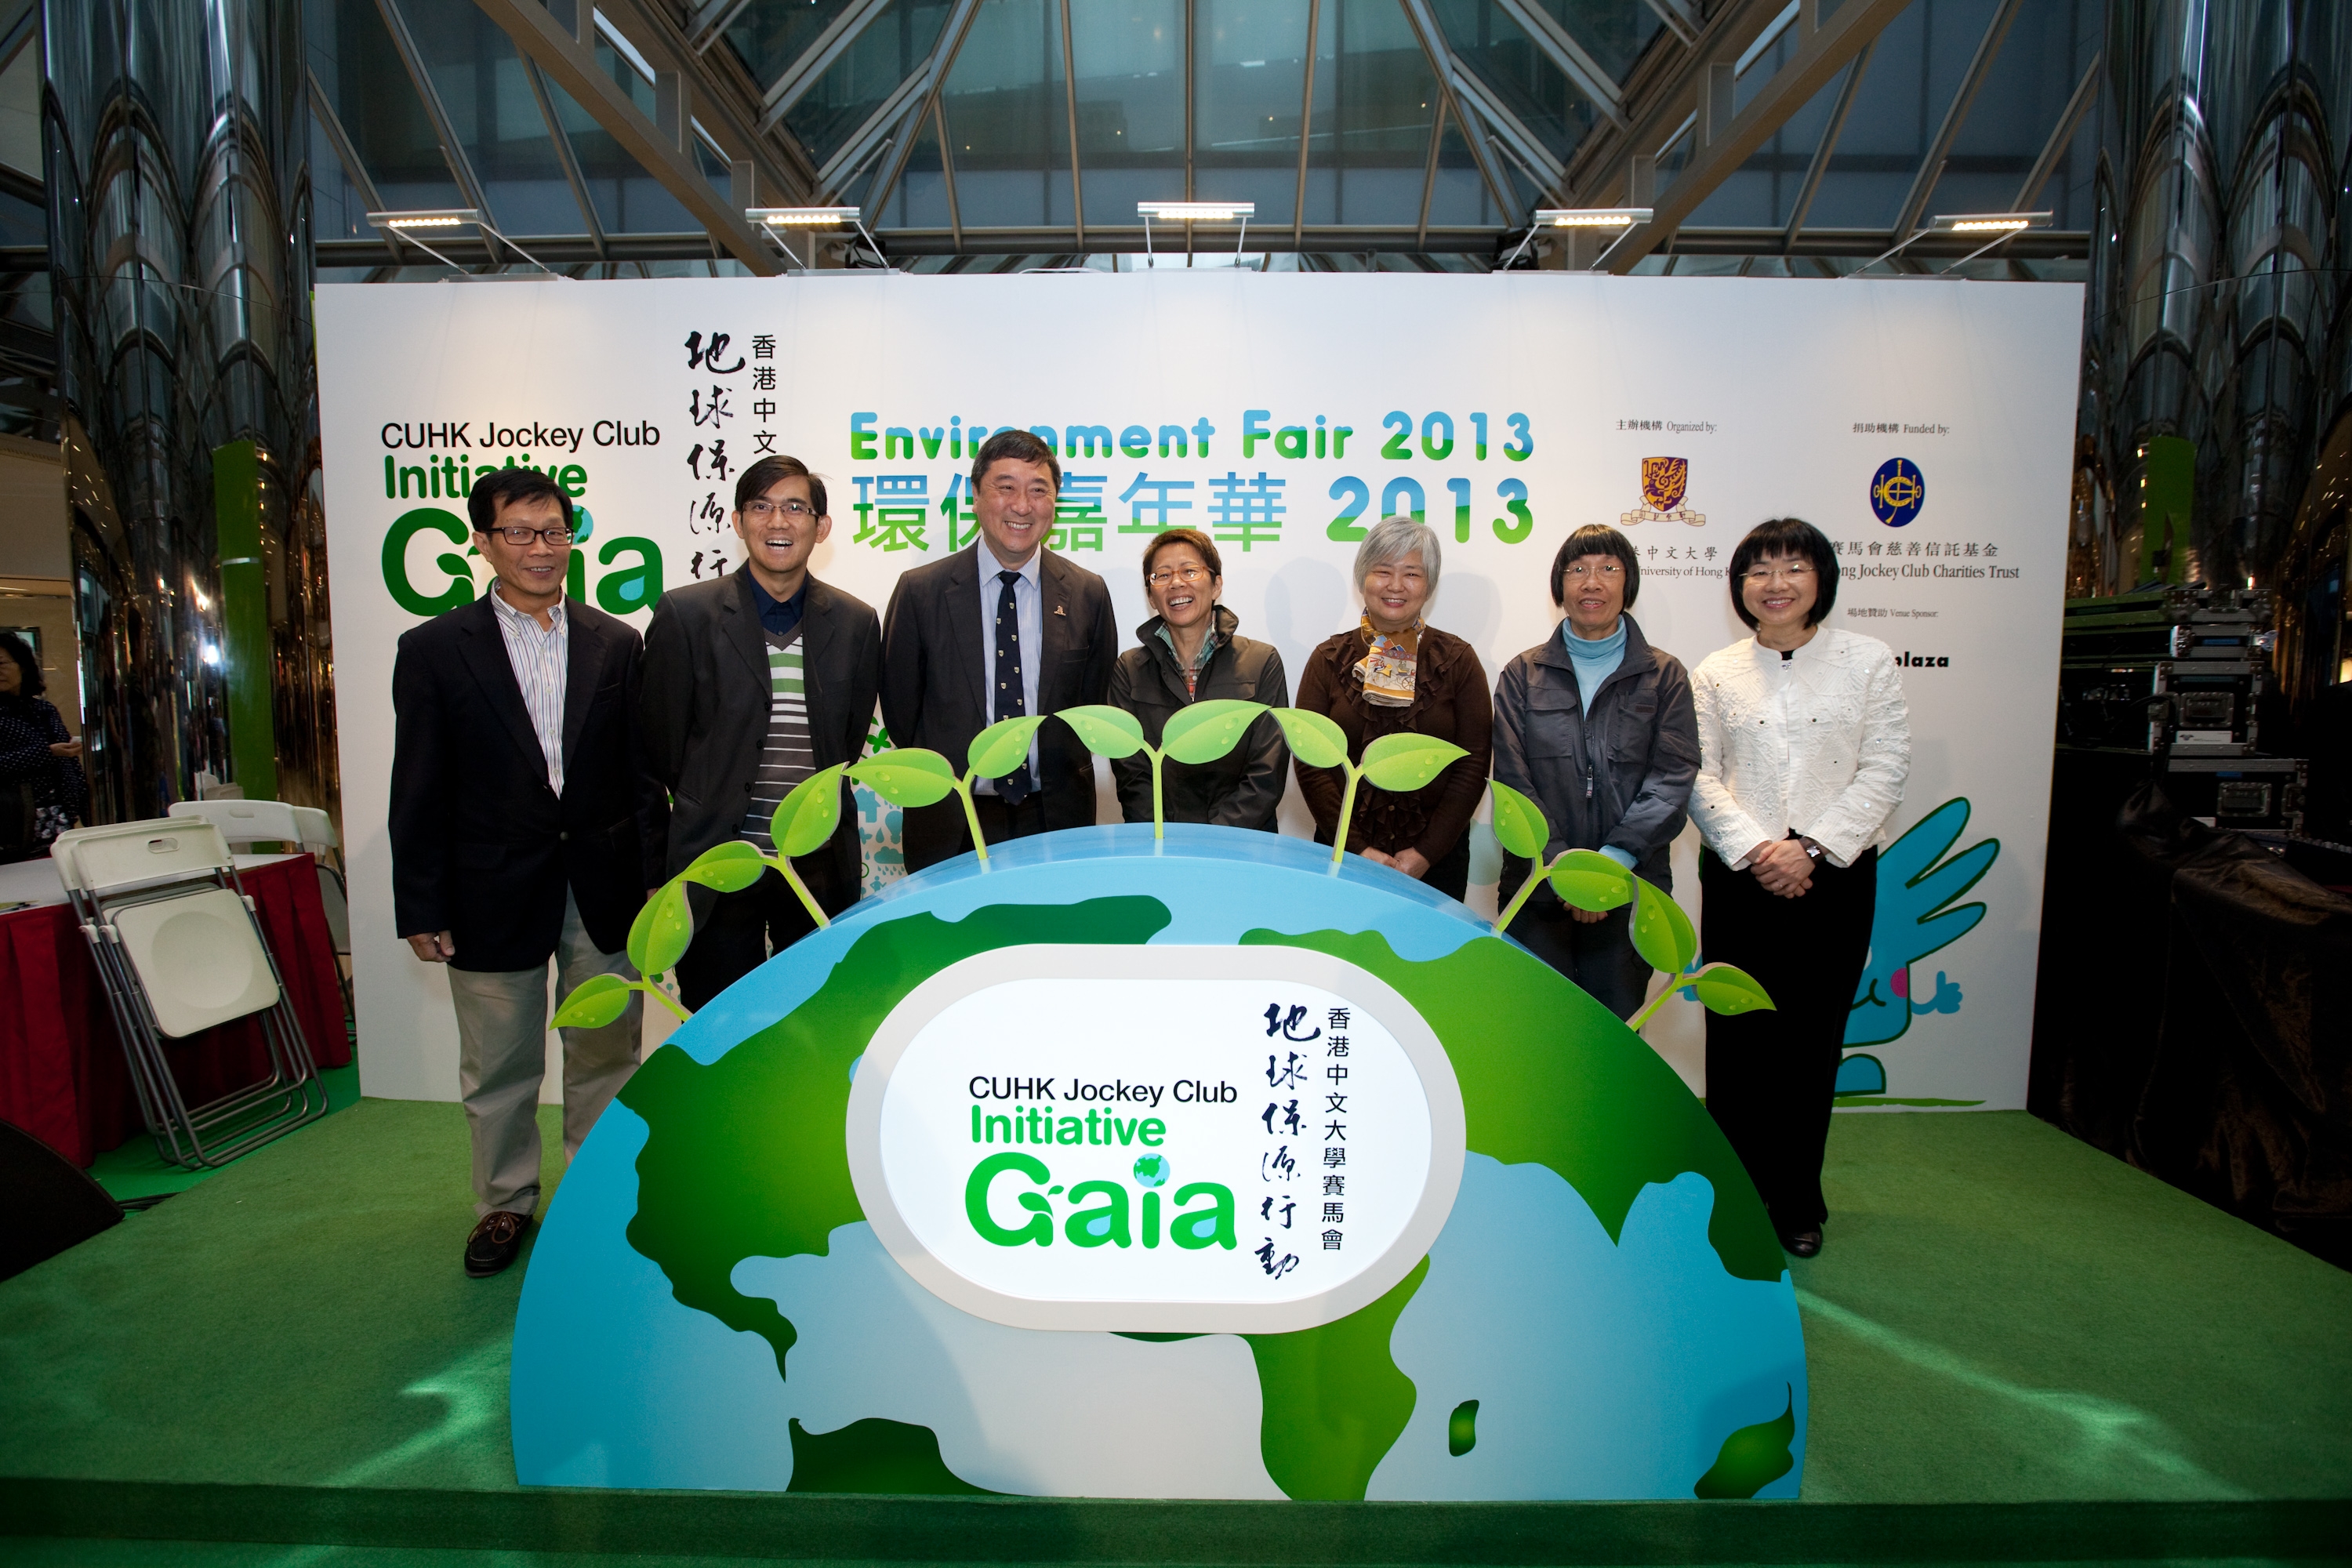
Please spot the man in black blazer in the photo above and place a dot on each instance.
(754, 681)
(1004, 628)
(524, 826)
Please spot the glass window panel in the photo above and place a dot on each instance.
(919, 200)
(1249, 79)
(629, 200)
(20, 113)
(896, 46)
(1500, 52)
(1008, 122)
(21, 222)
(2041, 63)
(1459, 197)
(627, 76)
(1764, 66)
(1917, 68)
(1130, 75)
(336, 209)
(2071, 192)
(479, 79)
(377, 105)
(1384, 99)
(1762, 191)
(1613, 32)
(769, 35)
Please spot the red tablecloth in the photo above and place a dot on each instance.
(62, 1074)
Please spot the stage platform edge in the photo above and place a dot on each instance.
(1025, 1530)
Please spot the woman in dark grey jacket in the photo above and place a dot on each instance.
(1190, 654)
(1597, 727)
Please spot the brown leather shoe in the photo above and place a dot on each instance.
(495, 1242)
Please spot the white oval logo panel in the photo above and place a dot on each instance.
(1156, 1139)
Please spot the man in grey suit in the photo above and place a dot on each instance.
(752, 683)
(1004, 628)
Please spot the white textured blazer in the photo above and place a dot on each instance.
(1822, 748)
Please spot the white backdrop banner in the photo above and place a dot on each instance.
(1925, 426)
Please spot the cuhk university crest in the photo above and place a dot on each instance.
(1664, 480)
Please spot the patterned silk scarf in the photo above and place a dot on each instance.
(1387, 671)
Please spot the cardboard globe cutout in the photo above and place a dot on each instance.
(1182, 1162)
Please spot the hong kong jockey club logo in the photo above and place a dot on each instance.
(1664, 480)
(1897, 491)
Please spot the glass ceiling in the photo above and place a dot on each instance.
(1031, 128)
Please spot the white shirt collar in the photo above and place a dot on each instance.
(523, 618)
(992, 570)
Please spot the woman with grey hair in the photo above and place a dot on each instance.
(1393, 673)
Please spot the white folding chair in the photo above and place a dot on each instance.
(274, 821)
(179, 949)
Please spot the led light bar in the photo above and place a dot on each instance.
(1590, 217)
(801, 217)
(1986, 223)
(427, 217)
(1196, 212)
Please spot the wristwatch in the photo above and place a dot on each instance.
(1811, 848)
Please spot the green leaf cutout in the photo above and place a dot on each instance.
(1753, 1457)
(1591, 881)
(906, 776)
(1398, 764)
(661, 931)
(1003, 746)
(1727, 988)
(1206, 730)
(1662, 933)
(1105, 731)
(595, 1001)
(727, 867)
(1313, 739)
(1519, 824)
(805, 818)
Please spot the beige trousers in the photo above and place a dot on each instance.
(502, 1056)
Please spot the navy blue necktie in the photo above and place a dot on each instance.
(1011, 700)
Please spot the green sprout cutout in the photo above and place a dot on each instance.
(1201, 732)
(911, 775)
(1593, 883)
(657, 939)
(1398, 763)
(663, 929)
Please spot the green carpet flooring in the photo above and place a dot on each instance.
(2067, 1356)
(135, 1171)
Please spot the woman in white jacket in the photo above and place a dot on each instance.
(1804, 743)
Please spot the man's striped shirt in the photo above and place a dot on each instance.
(789, 757)
(542, 659)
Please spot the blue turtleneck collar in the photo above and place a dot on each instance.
(1595, 660)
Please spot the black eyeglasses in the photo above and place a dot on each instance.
(763, 509)
(520, 537)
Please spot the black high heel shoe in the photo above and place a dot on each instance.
(1804, 1244)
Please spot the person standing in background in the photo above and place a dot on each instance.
(524, 826)
(42, 789)
(754, 682)
(1191, 652)
(1596, 727)
(1392, 674)
(1001, 629)
(1804, 748)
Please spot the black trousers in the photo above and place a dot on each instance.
(936, 833)
(733, 933)
(1598, 957)
(1770, 1075)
